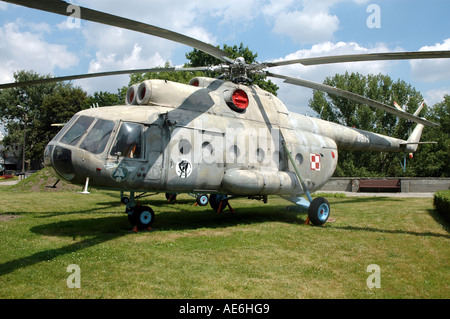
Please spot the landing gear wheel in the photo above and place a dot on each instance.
(218, 202)
(202, 200)
(171, 197)
(319, 211)
(142, 217)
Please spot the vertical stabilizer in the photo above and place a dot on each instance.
(414, 139)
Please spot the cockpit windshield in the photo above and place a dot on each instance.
(97, 138)
(129, 141)
(77, 130)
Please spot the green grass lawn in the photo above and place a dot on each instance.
(260, 251)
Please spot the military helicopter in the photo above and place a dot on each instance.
(223, 136)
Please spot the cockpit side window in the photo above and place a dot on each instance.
(129, 141)
(97, 138)
(65, 128)
(77, 130)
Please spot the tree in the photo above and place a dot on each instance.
(344, 111)
(103, 98)
(32, 110)
(434, 159)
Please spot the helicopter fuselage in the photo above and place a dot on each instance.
(211, 136)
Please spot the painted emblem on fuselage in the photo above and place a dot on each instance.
(120, 173)
(183, 168)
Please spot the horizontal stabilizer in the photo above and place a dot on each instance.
(408, 143)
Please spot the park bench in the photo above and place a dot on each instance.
(379, 184)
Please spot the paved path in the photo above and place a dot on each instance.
(364, 194)
(9, 183)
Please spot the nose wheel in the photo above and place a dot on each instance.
(202, 200)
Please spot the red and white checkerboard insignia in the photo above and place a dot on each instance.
(315, 162)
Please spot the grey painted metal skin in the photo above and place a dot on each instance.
(193, 142)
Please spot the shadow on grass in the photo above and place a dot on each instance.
(438, 218)
(207, 218)
(97, 207)
(104, 229)
(175, 217)
(384, 231)
(69, 229)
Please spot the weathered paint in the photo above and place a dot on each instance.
(194, 142)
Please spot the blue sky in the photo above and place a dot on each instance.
(275, 29)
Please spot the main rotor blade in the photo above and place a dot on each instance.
(92, 75)
(351, 96)
(364, 57)
(60, 7)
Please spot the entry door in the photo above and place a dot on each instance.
(155, 154)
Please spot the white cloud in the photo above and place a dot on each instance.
(304, 27)
(113, 48)
(276, 7)
(436, 95)
(21, 49)
(108, 48)
(110, 62)
(240, 12)
(305, 22)
(435, 69)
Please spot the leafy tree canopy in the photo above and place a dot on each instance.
(34, 109)
(434, 159)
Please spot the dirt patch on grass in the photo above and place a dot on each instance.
(4, 218)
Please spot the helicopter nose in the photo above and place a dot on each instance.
(60, 159)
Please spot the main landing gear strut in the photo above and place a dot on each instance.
(142, 217)
(219, 202)
(319, 208)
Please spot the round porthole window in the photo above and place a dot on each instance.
(207, 149)
(184, 146)
(299, 159)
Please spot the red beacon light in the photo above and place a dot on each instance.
(195, 82)
(237, 100)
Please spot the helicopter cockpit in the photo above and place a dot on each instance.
(92, 134)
